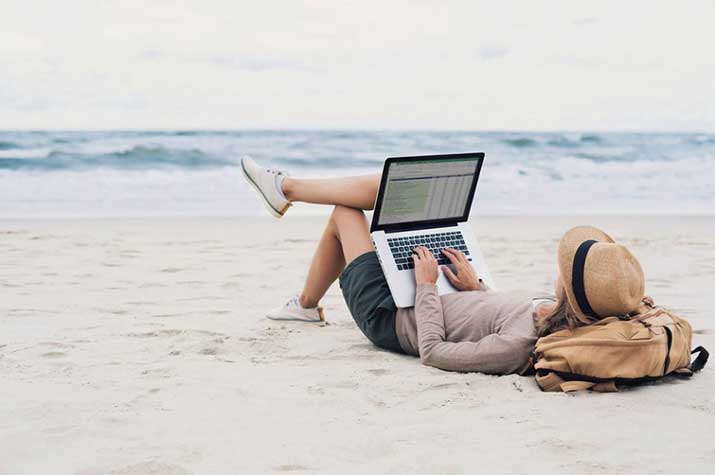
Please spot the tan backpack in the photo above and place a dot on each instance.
(617, 351)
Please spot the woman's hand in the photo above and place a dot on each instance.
(425, 266)
(465, 278)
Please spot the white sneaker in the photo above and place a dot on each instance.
(292, 310)
(266, 183)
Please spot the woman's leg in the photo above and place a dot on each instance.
(354, 192)
(346, 237)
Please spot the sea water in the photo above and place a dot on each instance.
(196, 173)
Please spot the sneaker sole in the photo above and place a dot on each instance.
(266, 203)
(296, 319)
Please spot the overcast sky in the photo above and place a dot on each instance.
(624, 65)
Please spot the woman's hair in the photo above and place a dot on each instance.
(562, 317)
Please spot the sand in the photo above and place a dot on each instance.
(139, 346)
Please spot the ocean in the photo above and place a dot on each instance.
(60, 174)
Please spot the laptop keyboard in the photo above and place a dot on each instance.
(402, 247)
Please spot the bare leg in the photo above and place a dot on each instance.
(354, 192)
(346, 237)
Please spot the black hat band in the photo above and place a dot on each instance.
(579, 290)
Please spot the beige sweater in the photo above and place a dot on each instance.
(484, 331)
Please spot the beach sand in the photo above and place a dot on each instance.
(139, 346)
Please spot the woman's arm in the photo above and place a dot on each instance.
(496, 354)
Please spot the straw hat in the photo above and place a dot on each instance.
(601, 278)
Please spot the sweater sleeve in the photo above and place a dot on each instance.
(496, 354)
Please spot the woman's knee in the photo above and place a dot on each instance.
(341, 213)
(352, 230)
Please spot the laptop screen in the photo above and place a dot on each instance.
(430, 189)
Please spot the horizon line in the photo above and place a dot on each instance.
(352, 129)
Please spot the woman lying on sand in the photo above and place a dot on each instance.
(476, 329)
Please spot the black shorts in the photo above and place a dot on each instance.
(370, 302)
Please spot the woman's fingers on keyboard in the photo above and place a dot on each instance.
(454, 256)
(423, 252)
(450, 255)
(450, 275)
(460, 255)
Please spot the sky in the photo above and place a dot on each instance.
(548, 65)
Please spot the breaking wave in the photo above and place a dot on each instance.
(137, 158)
(106, 173)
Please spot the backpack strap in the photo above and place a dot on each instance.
(700, 361)
(606, 387)
(570, 386)
(551, 381)
(603, 387)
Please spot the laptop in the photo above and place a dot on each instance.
(425, 201)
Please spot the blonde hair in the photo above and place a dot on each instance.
(562, 317)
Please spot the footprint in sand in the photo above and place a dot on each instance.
(291, 468)
(56, 344)
(156, 333)
(439, 387)
(378, 371)
(141, 469)
(344, 385)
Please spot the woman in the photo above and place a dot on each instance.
(475, 329)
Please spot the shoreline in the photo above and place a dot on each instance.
(303, 215)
